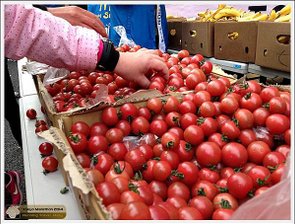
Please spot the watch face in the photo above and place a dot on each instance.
(101, 68)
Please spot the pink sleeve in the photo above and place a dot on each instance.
(40, 36)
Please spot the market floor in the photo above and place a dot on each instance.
(13, 154)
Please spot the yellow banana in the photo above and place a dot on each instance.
(273, 15)
(227, 13)
(249, 17)
(285, 11)
(262, 17)
(285, 18)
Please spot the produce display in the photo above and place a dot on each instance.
(198, 156)
(225, 13)
(80, 87)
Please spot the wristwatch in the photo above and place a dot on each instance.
(109, 57)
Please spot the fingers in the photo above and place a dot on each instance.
(160, 66)
(143, 81)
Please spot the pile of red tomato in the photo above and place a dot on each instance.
(79, 87)
(199, 157)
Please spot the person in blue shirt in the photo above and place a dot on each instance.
(146, 25)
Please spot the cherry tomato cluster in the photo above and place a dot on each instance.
(49, 163)
(40, 125)
(199, 157)
(79, 87)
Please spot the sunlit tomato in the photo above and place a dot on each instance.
(158, 127)
(260, 116)
(157, 85)
(188, 173)
(234, 155)
(284, 149)
(226, 172)
(147, 173)
(135, 211)
(247, 136)
(78, 142)
(193, 134)
(187, 107)
(245, 118)
(201, 86)
(260, 176)
(203, 205)
(216, 88)
(247, 167)
(171, 157)
(261, 190)
(109, 116)
(225, 200)
(219, 139)
(277, 105)
(207, 67)
(84, 160)
(117, 151)
(208, 154)
(179, 189)
(207, 109)
(273, 159)
(257, 150)
(170, 140)
(95, 176)
(200, 97)
(276, 175)
(178, 131)
(222, 214)
(204, 188)
(115, 209)
(230, 129)
(194, 78)
(268, 93)
(229, 105)
(130, 196)
(97, 144)
(158, 213)
(45, 149)
(108, 192)
(135, 158)
(198, 58)
(155, 105)
(209, 175)
(185, 151)
(171, 105)
(49, 164)
(103, 163)
(189, 213)
(114, 135)
(239, 185)
(182, 54)
(128, 111)
(251, 101)
(140, 125)
(277, 123)
(208, 124)
(172, 211)
(159, 188)
(31, 113)
(161, 170)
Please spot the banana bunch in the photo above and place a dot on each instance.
(284, 15)
(223, 12)
(251, 16)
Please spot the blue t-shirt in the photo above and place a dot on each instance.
(143, 23)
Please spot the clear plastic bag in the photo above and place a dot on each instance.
(53, 75)
(131, 142)
(121, 31)
(273, 204)
(35, 68)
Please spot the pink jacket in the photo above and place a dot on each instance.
(40, 36)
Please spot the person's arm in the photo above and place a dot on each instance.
(40, 36)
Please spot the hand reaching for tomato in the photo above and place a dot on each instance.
(135, 66)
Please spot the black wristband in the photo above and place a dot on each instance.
(109, 57)
(42, 7)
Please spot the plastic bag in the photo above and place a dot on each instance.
(54, 74)
(35, 68)
(121, 31)
(131, 142)
(273, 204)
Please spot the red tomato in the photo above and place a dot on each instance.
(200, 97)
(158, 127)
(188, 173)
(189, 213)
(148, 173)
(135, 158)
(161, 170)
(158, 213)
(207, 109)
(216, 88)
(155, 105)
(209, 175)
(226, 172)
(201, 86)
(222, 214)
(277, 174)
(177, 202)
(251, 101)
(230, 130)
(84, 160)
(172, 211)
(49, 164)
(273, 159)
(144, 112)
(129, 197)
(203, 205)
(95, 176)
(234, 155)
(187, 107)
(257, 150)
(182, 54)
(171, 104)
(248, 167)
(128, 111)
(171, 157)
(97, 144)
(157, 85)
(239, 185)
(115, 209)
(78, 142)
(193, 134)
(208, 125)
(140, 125)
(178, 131)
(179, 189)
(117, 151)
(204, 188)
(185, 151)
(277, 105)
(159, 188)
(225, 200)
(260, 190)
(218, 138)
(207, 67)
(98, 129)
(170, 140)
(45, 149)
(31, 114)
(247, 136)
(245, 118)
(229, 105)
(208, 154)
(287, 136)
(260, 176)
(158, 149)
(284, 149)
(114, 135)
(135, 211)
(277, 123)
(187, 120)
(193, 79)
(268, 93)
(109, 116)
(103, 163)
(124, 126)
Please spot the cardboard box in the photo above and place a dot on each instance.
(271, 52)
(175, 33)
(242, 47)
(198, 37)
